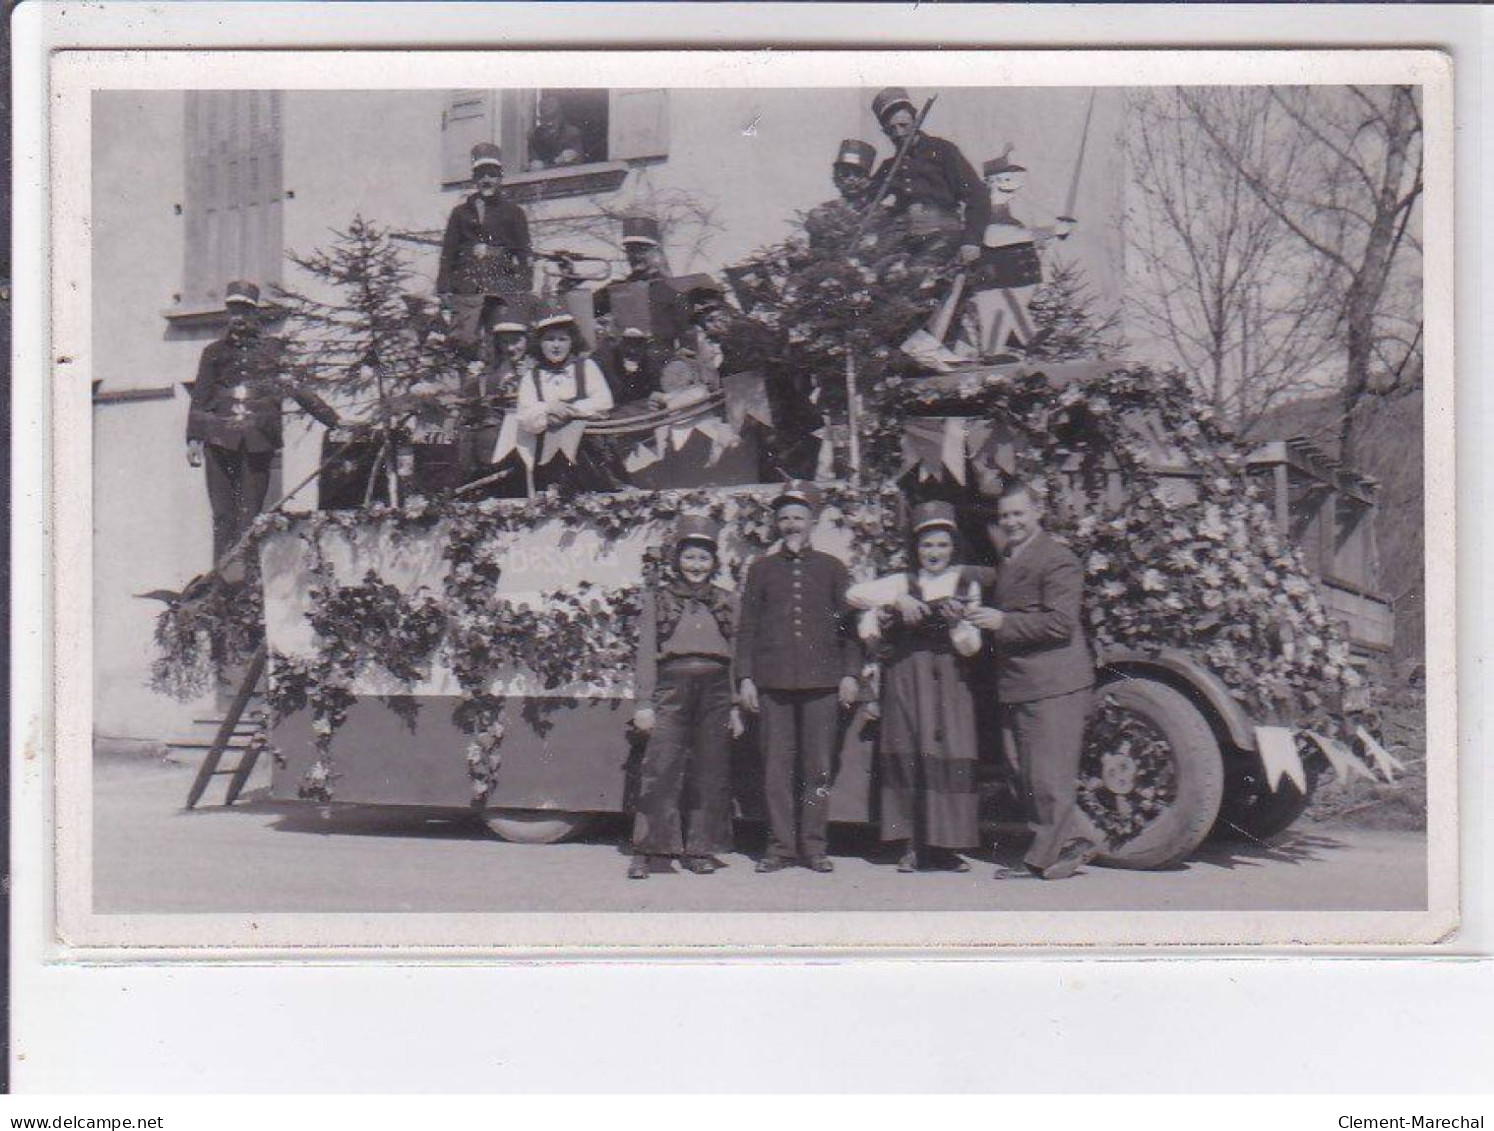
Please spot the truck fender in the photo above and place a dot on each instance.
(1193, 679)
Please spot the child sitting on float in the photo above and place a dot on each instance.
(927, 750)
(564, 386)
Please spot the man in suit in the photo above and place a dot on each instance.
(797, 667)
(234, 425)
(486, 249)
(1044, 677)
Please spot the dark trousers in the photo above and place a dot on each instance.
(684, 786)
(237, 482)
(798, 739)
(1045, 738)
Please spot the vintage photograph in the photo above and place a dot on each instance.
(897, 512)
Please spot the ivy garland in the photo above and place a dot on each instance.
(1200, 568)
(586, 635)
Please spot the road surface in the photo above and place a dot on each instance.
(151, 855)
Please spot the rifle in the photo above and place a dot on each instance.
(897, 163)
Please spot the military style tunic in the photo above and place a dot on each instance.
(486, 248)
(936, 183)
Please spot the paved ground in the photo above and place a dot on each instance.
(261, 856)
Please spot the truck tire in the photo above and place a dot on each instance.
(535, 826)
(1152, 777)
(1252, 811)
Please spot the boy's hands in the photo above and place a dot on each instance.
(987, 618)
(911, 609)
(643, 720)
(849, 687)
(747, 695)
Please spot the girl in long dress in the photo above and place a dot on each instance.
(927, 752)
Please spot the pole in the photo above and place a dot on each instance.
(853, 413)
(1073, 197)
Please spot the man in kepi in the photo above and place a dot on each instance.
(1044, 676)
(234, 425)
(797, 667)
(935, 191)
(852, 176)
(486, 249)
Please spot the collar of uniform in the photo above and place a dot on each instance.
(803, 552)
(1018, 550)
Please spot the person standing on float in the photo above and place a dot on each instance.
(926, 751)
(683, 689)
(486, 249)
(234, 425)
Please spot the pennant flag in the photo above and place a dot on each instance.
(923, 444)
(747, 399)
(1278, 749)
(508, 438)
(1340, 757)
(640, 457)
(1384, 761)
(952, 448)
(564, 440)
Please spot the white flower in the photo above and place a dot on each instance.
(1153, 581)
(1098, 563)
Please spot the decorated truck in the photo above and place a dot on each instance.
(477, 656)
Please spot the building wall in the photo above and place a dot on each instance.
(757, 157)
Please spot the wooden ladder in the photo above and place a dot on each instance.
(210, 764)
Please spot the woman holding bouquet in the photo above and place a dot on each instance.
(927, 751)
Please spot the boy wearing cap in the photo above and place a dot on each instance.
(486, 248)
(234, 423)
(683, 687)
(796, 667)
(1044, 675)
(935, 190)
(490, 394)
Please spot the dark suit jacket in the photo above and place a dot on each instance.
(1041, 648)
(793, 633)
(240, 386)
(504, 230)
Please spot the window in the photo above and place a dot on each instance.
(551, 136)
(234, 191)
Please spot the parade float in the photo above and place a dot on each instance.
(443, 652)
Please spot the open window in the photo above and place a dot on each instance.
(555, 142)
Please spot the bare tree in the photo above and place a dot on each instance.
(1341, 168)
(1223, 285)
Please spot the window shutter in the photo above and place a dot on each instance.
(235, 185)
(467, 120)
(638, 125)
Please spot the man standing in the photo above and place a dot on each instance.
(644, 300)
(935, 191)
(797, 667)
(234, 425)
(852, 176)
(486, 249)
(1044, 676)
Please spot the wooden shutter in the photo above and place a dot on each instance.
(638, 125)
(467, 120)
(235, 176)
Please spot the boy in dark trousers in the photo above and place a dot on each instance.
(797, 668)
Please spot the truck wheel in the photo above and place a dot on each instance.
(1253, 811)
(535, 826)
(1151, 776)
